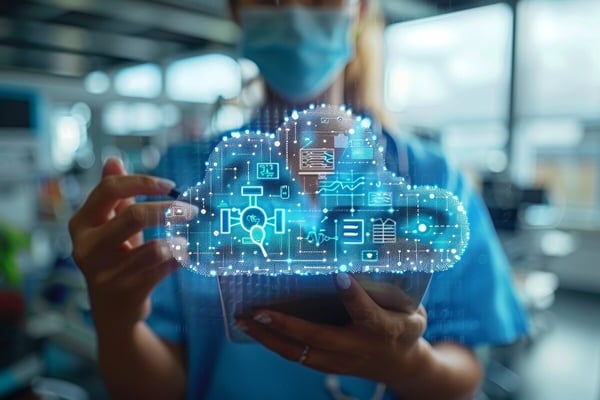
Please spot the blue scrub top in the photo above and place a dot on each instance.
(473, 303)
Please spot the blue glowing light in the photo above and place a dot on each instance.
(314, 197)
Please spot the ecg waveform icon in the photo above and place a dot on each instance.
(332, 187)
(318, 238)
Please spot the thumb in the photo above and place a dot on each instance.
(113, 166)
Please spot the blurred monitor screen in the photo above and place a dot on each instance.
(16, 111)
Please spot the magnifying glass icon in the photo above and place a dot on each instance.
(257, 236)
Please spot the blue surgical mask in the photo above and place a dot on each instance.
(299, 50)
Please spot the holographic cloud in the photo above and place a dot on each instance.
(314, 197)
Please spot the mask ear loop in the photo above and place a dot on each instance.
(358, 20)
(362, 11)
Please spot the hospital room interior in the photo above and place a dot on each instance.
(509, 91)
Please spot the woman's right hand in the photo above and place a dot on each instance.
(119, 268)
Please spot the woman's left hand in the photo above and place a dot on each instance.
(377, 344)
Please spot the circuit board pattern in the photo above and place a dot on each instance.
(313, 197)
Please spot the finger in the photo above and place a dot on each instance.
(148, 265)
(115, 188)
(139, 216)
(114, 166)
(284, 346)
(391, 325)
(360, 306)
(179, 250)
(321, 336)
(295, 351)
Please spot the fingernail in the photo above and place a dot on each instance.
(241, 326)
(195, 210)
(165, 184)
(343, 280)
(115, 159)
(165, 251)
(263, 318)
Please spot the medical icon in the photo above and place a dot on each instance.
(353, 231)
(384, 231)
(369, 255)
(313, 197)
(267, 170)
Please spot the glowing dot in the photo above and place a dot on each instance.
(203, 211)
(432, 196)
(343, 268)
(216, 233)
(295, 115)
(277, 143)
(213, 272)
(422, 228)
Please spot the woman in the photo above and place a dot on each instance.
(304, 50)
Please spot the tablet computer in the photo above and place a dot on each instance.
(314, 298)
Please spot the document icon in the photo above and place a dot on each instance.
(384, 231)
(353, 231)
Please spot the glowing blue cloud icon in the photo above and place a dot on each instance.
(314, 197)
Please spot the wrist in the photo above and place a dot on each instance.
(109, 323)
(454, 369)
(416, 366)
(117, 316)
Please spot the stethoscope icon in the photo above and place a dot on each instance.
(257, 236)
(253, 219)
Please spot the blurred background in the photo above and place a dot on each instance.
(510, 90)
